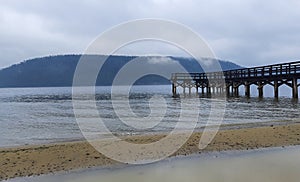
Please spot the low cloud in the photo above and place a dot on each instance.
(161, 60)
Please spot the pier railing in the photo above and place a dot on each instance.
(286, 69)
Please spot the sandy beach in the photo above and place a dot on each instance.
(51, 158)
(275, 164)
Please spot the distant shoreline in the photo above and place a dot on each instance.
(52, 158)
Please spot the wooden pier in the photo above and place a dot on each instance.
(228, 82)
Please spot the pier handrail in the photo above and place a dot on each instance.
(290, 68)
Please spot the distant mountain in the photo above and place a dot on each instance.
(58, 71)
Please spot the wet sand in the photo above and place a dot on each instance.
(45, 159)
(267, 165)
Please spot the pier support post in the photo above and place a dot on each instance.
(228, 90)
(247, 90)
(260, 90)
(276, 89)
(236, 91)
(208, 90)
(202, 90)
(295, 88)
(174, 89)
(190, 90)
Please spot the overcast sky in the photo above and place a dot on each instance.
(247, 32)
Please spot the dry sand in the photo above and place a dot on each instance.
(44, 159)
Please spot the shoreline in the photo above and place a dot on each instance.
(33, 160)
(196, 130)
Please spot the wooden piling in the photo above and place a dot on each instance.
(247, 89)
(276, 88)
(228, 90)
(174, 89)
(236, 91)
(260, 90)
(295, 88)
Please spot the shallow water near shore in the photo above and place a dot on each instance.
(273, 164)
(47, 113)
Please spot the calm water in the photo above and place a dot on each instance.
(45, 115)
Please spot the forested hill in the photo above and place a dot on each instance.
(58, 71)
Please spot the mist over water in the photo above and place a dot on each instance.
(45, 115)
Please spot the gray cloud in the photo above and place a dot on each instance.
(249, 32)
